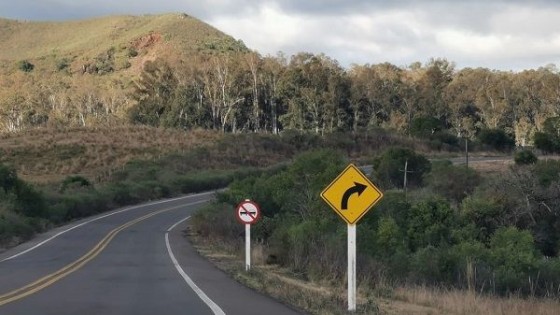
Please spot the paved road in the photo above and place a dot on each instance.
(130, 261)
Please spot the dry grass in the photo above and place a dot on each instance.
(88, 38)
(464, 302)
(48, 155)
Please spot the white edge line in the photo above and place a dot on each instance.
(99, 218)
(211, 304)
(177, 223)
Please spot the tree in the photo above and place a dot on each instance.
(154, 92)
(436, 76)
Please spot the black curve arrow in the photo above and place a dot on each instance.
(357, 188)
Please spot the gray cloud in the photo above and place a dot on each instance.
(502, 34)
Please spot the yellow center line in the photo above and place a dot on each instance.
(70, 268)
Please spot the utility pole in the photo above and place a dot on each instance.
(406, 171)
(467, 152)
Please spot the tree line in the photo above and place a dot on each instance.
(246, 92)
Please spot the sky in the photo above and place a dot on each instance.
(496, 34)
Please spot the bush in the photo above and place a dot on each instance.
(425, 126)
(25, 66)
(132, 52)
(547, 172)
(8, 178)
(74, 182)
(430, 223)
(30, 202)
(389, 167)
(62, 64)
(496, 139)
(513, 257)
(484, 213)
(13, 227)
(546, 142)
(452, 182)
(525, 157)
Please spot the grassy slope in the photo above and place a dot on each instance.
(48, 155)
(88, 38)
(172, 37)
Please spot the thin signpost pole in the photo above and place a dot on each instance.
(351, 267)
(247, 247)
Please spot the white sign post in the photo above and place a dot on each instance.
(247, 213)
(247, 247)
(351, 267)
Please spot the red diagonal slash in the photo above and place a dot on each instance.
(249, 213)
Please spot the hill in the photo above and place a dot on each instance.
(83, 41)
(49, 59)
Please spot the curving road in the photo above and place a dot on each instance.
(129, 261)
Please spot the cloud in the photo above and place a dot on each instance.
(501, 34)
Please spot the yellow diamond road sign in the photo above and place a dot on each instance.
(351, 194)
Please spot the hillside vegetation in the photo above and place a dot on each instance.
(50, 155)
(81, 73)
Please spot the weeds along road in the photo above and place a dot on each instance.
(133, 260)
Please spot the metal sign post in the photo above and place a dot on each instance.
(351, 195)
(247, 213)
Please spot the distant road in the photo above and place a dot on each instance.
(367, 169)
(132, 261)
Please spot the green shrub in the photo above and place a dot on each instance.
(8, 178)
(425, 126)
(30, 202)
(132, 52)
(76, 181)
(546, 142)
(13, 227)
(452, 182)
(486, 214)
(430, 222)
(525, 157)
(426, 265)
(514, 258)
(496, 139)
(25, 66)
(62, 64)
(547, 172)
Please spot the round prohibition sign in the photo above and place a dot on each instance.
(248, 212)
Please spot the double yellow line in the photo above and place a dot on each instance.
(70, 268)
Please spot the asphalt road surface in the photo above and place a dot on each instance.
(130, 261)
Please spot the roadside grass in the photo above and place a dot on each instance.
(279, 283)
(469, 302)
(373, 298)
